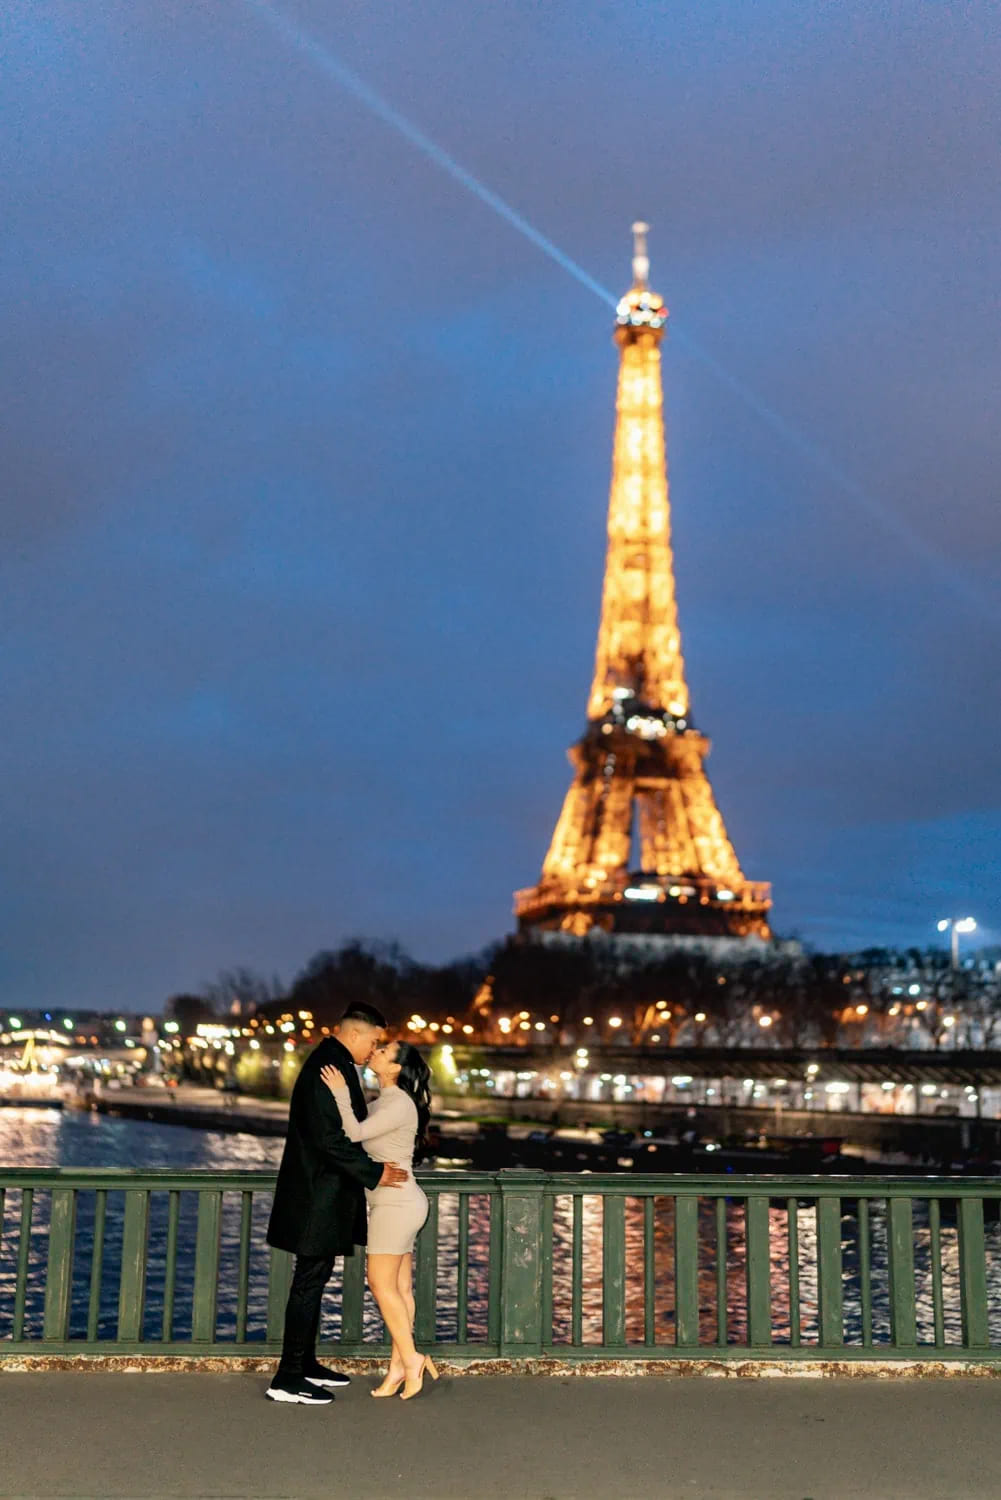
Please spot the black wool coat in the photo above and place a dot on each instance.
(319, 1203)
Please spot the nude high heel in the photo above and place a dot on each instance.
(390, 1391)
(428, 1367)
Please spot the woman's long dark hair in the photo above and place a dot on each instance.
(415, 1080)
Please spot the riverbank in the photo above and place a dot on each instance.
(199, 1109)
(879, 1138)
(937, 1137)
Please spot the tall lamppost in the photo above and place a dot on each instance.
(956, 925)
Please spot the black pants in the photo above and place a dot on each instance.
(302, 1313)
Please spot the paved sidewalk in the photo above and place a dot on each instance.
(150, 1437)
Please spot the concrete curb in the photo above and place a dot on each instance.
(714, 1369)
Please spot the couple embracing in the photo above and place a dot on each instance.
(338, 1153)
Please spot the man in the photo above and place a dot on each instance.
(319, 1207)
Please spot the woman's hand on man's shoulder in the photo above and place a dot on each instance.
(333, 1077)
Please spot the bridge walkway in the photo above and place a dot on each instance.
(72, 1434)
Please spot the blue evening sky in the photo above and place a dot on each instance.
(306, 456)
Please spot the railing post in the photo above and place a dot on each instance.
(830, 1291)
(426, 1277)
(132, 1283)
(613, 1271)
(759, 1277)
(973, 1273)
(686, 1271)
(59, 1270)
(205, 1298)
(521, 1193)
(353, 1297)
(900, 1251)
(280, 1267)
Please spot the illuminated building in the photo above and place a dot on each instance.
(640, 846)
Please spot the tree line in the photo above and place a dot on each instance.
(777, 997)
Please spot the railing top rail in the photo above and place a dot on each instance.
(628, 1184)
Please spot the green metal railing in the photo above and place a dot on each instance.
(519, 1264)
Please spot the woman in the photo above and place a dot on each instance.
(396, 1123)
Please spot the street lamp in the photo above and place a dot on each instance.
(956, 925)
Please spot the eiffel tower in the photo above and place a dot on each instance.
(640, 846)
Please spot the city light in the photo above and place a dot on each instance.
(615, 1022)
(956, 925)
(765, 1021)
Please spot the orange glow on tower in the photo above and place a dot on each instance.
(640, 845)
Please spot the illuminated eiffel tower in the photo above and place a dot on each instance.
(639, 781)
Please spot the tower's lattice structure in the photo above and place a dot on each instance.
(640, 846)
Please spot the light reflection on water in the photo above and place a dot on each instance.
(44, 1138)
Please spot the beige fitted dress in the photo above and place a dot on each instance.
(395, 1214)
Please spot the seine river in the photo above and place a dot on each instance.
(49, 1138)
